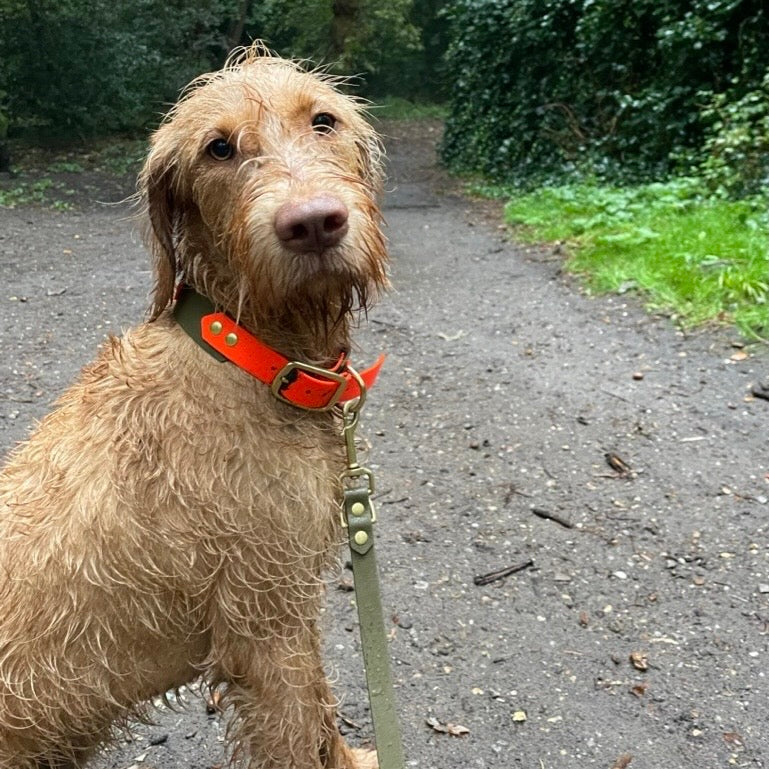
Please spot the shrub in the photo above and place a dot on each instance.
(86, 66)
(736, 148)
(613, 88)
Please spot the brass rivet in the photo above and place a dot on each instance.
(231, 339)
(216, 327)
(361, 538)
(358, 508)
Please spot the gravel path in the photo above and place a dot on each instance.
(517, 422)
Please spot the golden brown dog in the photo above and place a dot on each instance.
(172, 517)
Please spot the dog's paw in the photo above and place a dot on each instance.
(365, 759)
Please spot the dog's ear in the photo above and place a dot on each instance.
(156, 190)
(370, 153)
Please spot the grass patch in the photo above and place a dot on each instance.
(698, 258)
(40, 192)
(114, 155)
(46, 176)
(396, 108)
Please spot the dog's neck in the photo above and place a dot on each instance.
(309, 334)
(290, 333)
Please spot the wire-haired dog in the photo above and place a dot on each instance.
(174, 515)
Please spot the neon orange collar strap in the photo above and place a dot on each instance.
(299, 384)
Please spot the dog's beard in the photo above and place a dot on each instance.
(323, 308)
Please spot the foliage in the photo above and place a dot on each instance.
(83, 67)
(44, 191)
(41, 174)
(736, 148)
(542, 88)
(397, 108)
(371, 38)
(695, 256)
(87, 66)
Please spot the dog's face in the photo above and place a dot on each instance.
(261, 186)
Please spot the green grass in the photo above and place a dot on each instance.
(697, 258)
(43, 174)
(396, 108)
(43, 191)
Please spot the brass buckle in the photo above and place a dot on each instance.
(349, 478)
(282, 379)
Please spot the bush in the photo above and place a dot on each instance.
(86, 66)
(613, 88)
(78, 67)
(369, 38)
(736, 148)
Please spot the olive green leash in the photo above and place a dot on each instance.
(358, 517)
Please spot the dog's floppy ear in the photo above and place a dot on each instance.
(156, 190)
(370, 154)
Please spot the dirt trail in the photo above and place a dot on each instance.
(642, 628)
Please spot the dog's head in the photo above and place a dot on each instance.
(261, 191)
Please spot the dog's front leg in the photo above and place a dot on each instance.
(285, 713)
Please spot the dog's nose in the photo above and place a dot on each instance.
(313, 224)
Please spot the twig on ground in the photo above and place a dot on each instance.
(547, 515)
(493, 576)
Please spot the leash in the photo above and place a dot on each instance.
(358, 517)
(319, 389)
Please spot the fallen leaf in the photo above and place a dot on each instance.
(639, 660)
(617, 463)
(455, 730)
(451, 337)
(733, 738)
(622, 761)
(739, 355)
(349, 722)
(639, 689)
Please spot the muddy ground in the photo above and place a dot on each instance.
(517, 421)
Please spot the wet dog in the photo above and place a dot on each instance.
(173, 517)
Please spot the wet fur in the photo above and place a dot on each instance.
(170, 518)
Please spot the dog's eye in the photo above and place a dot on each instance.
(323, 123)
(220, 149)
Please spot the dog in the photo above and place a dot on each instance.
(175, 514)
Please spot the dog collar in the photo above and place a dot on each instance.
(299, 384)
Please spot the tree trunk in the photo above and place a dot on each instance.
(346, 16)
(235, 35)
(5, 158)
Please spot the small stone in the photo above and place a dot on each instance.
(638, 375)
(763, 588)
